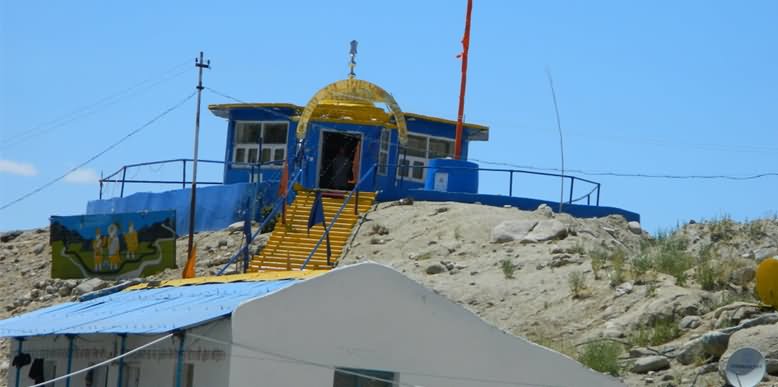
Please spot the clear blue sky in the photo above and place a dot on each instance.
(654, 87)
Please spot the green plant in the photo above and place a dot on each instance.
(756, 230)
(660, 332)
(669, 256)
(640, 266)
(577, 282)
(651, 289)
(508, 268)
(602, 356)
(617, 270)
(577, 249)
(598, 261)
(721, 229)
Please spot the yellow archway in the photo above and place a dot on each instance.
(352, 91)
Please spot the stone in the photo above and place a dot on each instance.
(742, 276)
(235, 227)
(89, 285)
(772, 366)
(690, 352)
(223, 242)
(435, 268)
(544, 210)
(9, 235)
(546, 230)
(650, 363)
(763, 338)
(39, 249)
(623, 289)
(64, 291)
(565, 259)
(640, 352)
(512, 230)
(634, 227)
(715, 343)
(765, 252)
(690, 322)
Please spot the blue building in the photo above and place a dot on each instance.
(351, 134)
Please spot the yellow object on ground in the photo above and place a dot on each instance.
(291, 243)
(221, 279)
(767, 281)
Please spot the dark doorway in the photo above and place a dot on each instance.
(339, 168)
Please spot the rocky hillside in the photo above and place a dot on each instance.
(663, 311)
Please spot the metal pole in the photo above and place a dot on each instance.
(183, 176)
(510, 187)
(572, 181)
(19, 352)
(598, 194)
(71, 339)
(121, 360)
(200, 66)
(101, 185)
(124, 174)
(463, 83)
(180, 362)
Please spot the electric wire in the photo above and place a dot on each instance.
(102, 152)
(102, 363)
(288, 358)
(536, 168)
(94, 107)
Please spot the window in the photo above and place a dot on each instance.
(346, 377)
(383, 153)
(248, 136)
(418, 150)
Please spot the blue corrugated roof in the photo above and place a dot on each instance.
(147, 311)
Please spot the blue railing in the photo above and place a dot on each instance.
(354, 192)
(120, 176)
(269, 217)
(593, 193)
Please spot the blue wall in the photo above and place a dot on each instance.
(526, 204)
(217, 206)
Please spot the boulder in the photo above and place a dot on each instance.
(512, 230)
(89, 286)
(39, 249)
(690, 322)
(544, 210)
(763, 338)
(765, 252)
(690, 352)
(9, 235)
(650, 363)
(435, 268)
(715, 343)
(634, 227)
(546, 230)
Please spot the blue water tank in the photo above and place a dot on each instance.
(448, 175)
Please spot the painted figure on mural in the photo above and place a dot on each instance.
(131, 239)
(114, 255)
(97, 248)
(341, 167)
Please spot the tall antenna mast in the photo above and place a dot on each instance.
(561, 143)
(463, 83)
(200, 64)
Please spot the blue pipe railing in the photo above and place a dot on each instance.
(272, 215)
(334, 219)
(588, 196)
(112, 178)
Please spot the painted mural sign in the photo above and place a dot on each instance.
(111, 246)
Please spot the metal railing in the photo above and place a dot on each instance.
(325, 234)
(269, 217)
(593, 193)
(115, 178)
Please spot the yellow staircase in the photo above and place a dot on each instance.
(291, 243)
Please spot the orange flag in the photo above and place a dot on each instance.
(189, 268)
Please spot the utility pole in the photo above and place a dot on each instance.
(200, 64)
(463, 83)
